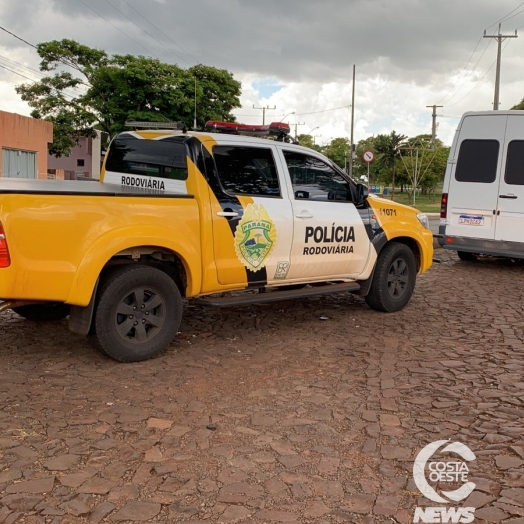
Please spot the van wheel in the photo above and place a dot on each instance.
(394, 278)
(137, 315)
(43, 312)
(466, 256)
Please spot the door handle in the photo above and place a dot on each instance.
(304, 214)
(227, 214)
(513, 197)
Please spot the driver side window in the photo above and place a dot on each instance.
(313, 179)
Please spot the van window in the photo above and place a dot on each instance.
(247, 170)
(157, 158)
(515, 163)
(477, 161)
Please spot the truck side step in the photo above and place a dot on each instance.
(273, 296)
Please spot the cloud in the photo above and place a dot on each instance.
(408, 53)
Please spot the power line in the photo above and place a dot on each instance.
(463, 69)
(20, 65)
(32, 79)
(160, 30)
(19, 74)
(325, 110)
(147, 32)
(505, 17)
(469, 74)
(478, 82)
(117, 28)
(17, 37)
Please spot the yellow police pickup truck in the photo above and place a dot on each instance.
(198, 215)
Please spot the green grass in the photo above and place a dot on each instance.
(423, 202)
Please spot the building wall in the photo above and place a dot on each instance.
(26, 134)
(88, 150)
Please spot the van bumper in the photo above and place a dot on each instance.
(480, 246)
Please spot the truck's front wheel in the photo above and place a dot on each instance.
(394, 278)
(137, 315)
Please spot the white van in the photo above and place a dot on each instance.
(482, 210)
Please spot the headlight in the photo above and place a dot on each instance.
(423, 219)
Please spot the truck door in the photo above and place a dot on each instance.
(474, 180)
(510, 208)
(329, 237)
(252, 218)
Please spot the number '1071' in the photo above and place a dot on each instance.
(388, 212)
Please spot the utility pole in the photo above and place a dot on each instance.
(296, 126)
(350, 169)
(500, 38)
(264, 112)
(434, 126)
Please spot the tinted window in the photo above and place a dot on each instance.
(477, 161)
(515, 163)
(313, 179)
(158, 158)
(247, 170)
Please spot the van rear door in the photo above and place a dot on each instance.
(473, 189)
(510, 211)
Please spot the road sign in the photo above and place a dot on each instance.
(368, 156)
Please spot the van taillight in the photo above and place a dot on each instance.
(444, 206)
(5, 261)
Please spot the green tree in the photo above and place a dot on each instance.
(388, 153)
(422, 164)
(338, 150)
(92, 90)
(308, 141)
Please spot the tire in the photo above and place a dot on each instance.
(394, 279)
(138, 313)
(43, 312)
(466, 256)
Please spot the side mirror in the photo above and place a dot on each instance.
(362, 193)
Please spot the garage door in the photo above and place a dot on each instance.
(18, 164)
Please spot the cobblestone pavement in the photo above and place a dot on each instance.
(307, 411)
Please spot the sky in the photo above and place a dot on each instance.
(296, 57)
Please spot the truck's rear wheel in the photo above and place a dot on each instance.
(394, 278)
(43, 312)
(137, 315)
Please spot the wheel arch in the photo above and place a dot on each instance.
(167, 260)
(124, 243)
(380, 242)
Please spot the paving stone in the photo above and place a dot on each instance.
(97, 486)
(20, 502)
(508, 462)
(328, 488)
(276, 516)
(386, 505)
(100, 512)
(62, 462)
(358, 503)
(137, 511)
(159, 423)
(491, 514)
(44, 485)
(235, 514)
